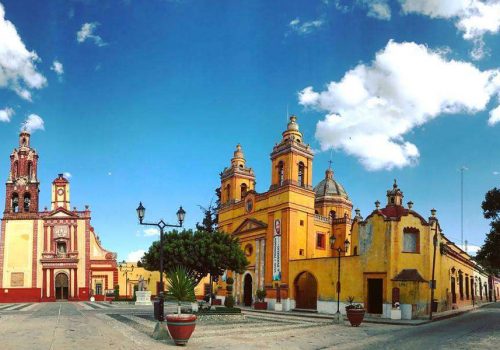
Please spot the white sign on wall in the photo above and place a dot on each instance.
(277, 251)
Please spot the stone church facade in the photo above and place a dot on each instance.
(53, 253)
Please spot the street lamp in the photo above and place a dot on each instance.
(126, 269)
(181, 213)
(339, 250)
(434, 243)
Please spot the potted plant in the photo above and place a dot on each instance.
(355, 312)
(180, 287)
(260, 304)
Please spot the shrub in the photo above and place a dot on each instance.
(229, 301)
(229, 287)
(261, 294)
(117, 292)
(229, 280)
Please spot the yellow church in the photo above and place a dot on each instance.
(49, 254)
(294, 233)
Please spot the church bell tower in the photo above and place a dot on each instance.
(22, 187)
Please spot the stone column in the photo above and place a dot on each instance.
(76, 237)
(262, 261)
(75, 283)
(44, 284)
(52, 290)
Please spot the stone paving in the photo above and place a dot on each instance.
(86, 325)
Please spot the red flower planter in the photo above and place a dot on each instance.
(216, 302)
(260, 305)
(355, 316)
(181, 327)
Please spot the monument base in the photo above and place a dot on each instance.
(143, 298)
(278, 307)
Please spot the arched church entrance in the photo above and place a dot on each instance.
(247, 290)
(306, 291)
(61, 285)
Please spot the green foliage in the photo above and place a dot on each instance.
(201, 252)
(229, 280)
(229, 288)
(489, 254)
(180, 286)
(261, 294)
(229, 301)
(139, 264)
(209, 223)
(117, 292)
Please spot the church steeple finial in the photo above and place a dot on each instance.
(292, 130)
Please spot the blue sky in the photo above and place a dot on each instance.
(146, 100)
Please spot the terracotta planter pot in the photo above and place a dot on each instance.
(181, 327)
(260, 305)
(355, 316)
(216, 302)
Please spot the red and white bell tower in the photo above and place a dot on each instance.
(22, 187)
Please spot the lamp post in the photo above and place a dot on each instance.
(126, 269)
(339, 250)
(141, 211)
(434, 243)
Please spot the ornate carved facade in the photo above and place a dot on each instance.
(49, 254)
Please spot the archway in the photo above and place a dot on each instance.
(247, 290)
(61, 285)
(306, 291)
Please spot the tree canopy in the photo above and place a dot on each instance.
(489, 254)
(201, 252)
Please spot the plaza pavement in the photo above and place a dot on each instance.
(86, 325)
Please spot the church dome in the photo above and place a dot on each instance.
(328, 188)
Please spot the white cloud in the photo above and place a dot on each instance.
(67, 175)
(378, 9)
(373, 106)
(471, 249)
(17, 64)
(6, 114)
(87, 32)
(496, 173)
(135, 255)
(149, 232)
(110, 173)
(474, 18)
(494, 116)
(33, 122)
(304, 28)
(57, 67)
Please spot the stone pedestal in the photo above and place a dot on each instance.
(395, 314)
(143, 298)
(278, 307)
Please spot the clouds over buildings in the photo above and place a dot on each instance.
(6, 114)
(371, 109)
(87, 32)
(33, 123)
(135, 255)
(474, 18)
(18, 70)
(304, 28)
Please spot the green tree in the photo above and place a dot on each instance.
(489, 254)
(201, 252)
(209, 223)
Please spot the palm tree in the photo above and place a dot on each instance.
(180, 286)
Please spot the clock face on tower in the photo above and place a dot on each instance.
(60, 191)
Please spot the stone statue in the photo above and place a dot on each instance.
(142, 284)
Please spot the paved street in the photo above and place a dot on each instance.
(86, 325)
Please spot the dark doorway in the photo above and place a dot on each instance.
(61, 286)
(306, 291)
(453, 294)
(247, 290)
(375, 295)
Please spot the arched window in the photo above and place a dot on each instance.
(332, 214)
(15, 203)
(281, 173)
(27, 201)
(316, 212)
(61, 247)
(411, 240)
(228, 192)
(301, 174)
(243, 190)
